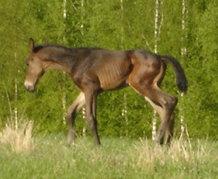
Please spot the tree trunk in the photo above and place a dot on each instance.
(64, 9)
(64, 93)
(183, 54)
(184, 35)
(15, 89)
(82, 32)
(122, 28)
(124, 110)
(158, 18)
(82, 17)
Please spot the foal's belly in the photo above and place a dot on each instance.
(113, 74)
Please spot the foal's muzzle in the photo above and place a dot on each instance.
(29, 86)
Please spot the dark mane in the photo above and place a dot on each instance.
(37, 48)
(61, 53)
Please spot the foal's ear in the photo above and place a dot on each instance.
(31, 44)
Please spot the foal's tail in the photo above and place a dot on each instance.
(181, 80)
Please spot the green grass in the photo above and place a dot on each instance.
(116, 158)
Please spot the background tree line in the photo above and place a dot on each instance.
(186, 29)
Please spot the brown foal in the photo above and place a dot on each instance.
(95, 70)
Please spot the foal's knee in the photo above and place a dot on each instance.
(173, 101)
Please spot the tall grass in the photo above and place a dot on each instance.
(116, 158)
(17, 135)
(179, 152)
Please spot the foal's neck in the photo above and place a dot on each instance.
(59, 58)
(57, 66)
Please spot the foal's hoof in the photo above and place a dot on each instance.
(97, 143)
(70, 141)
(162, 141)
(159, 140)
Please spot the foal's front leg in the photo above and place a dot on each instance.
(90, 98)
(70, 118)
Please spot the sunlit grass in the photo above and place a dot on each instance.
(116, 158)
(17, 136)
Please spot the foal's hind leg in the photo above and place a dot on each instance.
(164, 104)
(144, 80)
(70, 118)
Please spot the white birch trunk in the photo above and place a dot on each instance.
(82, 32)
(64, 107)
(64, 93)
(64, 9)
(156, 34)
(82, 17)
(158, 19)
(122, 28)
(156, 27)
(184, 14)
(124, 110)
(15, 91)
(182, 125)
(183, 53)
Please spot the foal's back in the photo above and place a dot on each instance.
(112, 68)
(109, 68)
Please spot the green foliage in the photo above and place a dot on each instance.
(112, 25)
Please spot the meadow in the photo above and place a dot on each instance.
(48, 156)
(185, 29)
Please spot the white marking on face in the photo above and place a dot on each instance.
(28, 83)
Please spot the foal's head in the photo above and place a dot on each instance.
(35, 66)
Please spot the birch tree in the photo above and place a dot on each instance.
(183, 54)
(15, 87)
(82, 32)
(64, 39)
(158, 18)
(82, 17)
(124, 110)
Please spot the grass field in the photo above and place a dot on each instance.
(50, 157)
